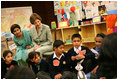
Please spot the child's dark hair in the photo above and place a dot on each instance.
(20, 72)
(101, 35)
(57, 43)
(76, 36)
(108, 56)
(5, 53)
(31, 55)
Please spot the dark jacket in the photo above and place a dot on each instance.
(54, 70)
(89, 56)
(42, 66)
(98, 73)
(5, 67)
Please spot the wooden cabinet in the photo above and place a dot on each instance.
(64, 34)
(88, 33)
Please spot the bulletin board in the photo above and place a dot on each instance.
(88, 4)
(58, 5)
(16, 15)
(83, 9)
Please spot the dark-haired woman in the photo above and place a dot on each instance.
(23, 41)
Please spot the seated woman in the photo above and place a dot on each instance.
(41, 35)
(23, 41)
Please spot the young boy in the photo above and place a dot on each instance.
(74, 55)
(7, 62)
(57, 62)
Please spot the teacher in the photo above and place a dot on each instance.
(23, 41)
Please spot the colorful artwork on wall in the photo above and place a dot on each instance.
(83, 10)
(58, 5)
(88, 4)
(88, 12)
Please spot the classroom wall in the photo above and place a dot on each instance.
(44, 8)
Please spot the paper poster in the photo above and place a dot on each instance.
(88, 4)
(17, 15)
(78, 5)
(56, 5)
(72, 3)
(103, 2)
(88, 12)
(13, 46)
(59, 16)
(57, 11)
(62, 4)
(67, 3)
(73, 18)
(111, 6)
(95, 11)
(78, 14)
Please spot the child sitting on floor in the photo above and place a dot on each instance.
(77, 53)
(20, 72)
(7, 62)
(38, 65)
(57, 62)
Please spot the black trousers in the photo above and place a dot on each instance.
(89, 65)
(43, 75)
(69, 75)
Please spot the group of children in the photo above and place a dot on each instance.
(60, 65)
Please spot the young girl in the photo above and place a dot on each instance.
(7, 62)
(38, 65)
(98, 40)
